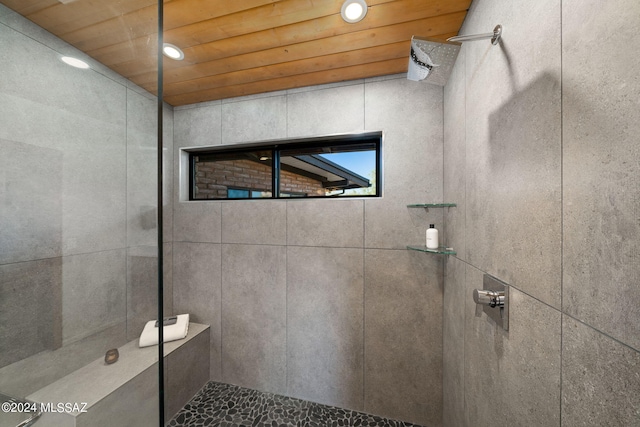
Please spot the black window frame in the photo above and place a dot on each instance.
(277, 147)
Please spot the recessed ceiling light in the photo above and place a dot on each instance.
(74, 62)
(172, 51)
(353, 10)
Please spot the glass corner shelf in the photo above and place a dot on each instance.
(441, 250)
(432, 205)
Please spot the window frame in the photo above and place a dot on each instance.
(276, 147)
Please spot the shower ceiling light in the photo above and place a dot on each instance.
(74, 62)
(353, 10)
(172, 51)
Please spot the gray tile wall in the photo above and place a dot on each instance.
(541, 155)
(319, 299)
(78, 160)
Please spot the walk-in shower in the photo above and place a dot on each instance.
(78, 236)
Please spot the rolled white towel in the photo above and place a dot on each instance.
(177, 331)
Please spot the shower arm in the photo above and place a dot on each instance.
(495, 36)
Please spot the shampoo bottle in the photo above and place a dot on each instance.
(432, 237)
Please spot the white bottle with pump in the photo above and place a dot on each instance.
(432, 237)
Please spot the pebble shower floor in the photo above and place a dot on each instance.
(227, 405)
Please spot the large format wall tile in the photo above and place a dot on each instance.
(254, 316)
(93, 185)
(94, 292)
(83, 115)
(600, 382)
(197, 291)
(95, 191)
(403, 337)
(325, 325)
(197, 221)
(167, 172)
(259, 222)
(513, 179)
(195, 127)
(410, 116)
(167, 277)
(30, 308)
(30, 203)
(453, 331)
(511, 378)
(325, 111)
(454, 185)
(602, 166)
(142, 282)
(254, 120)
(513, 142)
(142, 287)
(335, 223)
(141, 170)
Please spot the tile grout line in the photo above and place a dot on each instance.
(364, 262)
(567, 315)
(364, 310)
(286, 299)
(562, 318)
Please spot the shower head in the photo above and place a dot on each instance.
(431, 60)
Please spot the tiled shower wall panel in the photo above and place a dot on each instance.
(319, 299)
(78, 154)
(541, 156)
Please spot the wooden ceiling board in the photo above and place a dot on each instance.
(62, 19)
(119, 32)
(314, 48)
(250, 21)
(179, 13)
(111, 53)
(429, 27)
(27, 7)
(291, 68)
(244, 47)
(254, 39)
(317, 28)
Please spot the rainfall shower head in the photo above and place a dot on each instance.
(431, 60)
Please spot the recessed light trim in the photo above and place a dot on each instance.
(353, 11)
(75, 62)
(172, 51)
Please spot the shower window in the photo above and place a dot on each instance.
(337, 166)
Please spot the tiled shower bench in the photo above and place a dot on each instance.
(126, 393)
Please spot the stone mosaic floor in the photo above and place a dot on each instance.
(228, 405)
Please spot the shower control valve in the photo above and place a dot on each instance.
(488, 297)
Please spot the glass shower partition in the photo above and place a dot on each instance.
(79, 234)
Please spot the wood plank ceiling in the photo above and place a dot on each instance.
(242, 47)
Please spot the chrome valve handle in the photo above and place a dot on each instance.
(488, 297)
